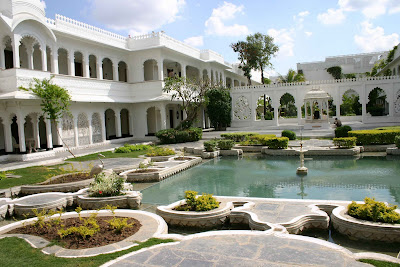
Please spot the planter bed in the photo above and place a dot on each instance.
(393, 151)
(129, 200)
(313, 152)
(71, 182)
(231, 152)
(160, 173)
(364, 230)
(202, 219)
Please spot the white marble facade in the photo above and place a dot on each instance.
(115, 81)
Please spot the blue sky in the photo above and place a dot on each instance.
(307, 30)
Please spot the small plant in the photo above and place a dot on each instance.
(160, 151)
(345, 142)
(210, 146)
(118, 224)
(225, 144)
(106, 185)
(89, 228)
(277, 143)
(397, 141)
(205, 202)
(374, 211)
(289, 134)
(342, 131)
(41, 217)
(78, 210)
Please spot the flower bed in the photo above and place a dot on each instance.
(127, 200)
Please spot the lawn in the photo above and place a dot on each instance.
(388, 128)
(33, 175)
(109, 154)
(380, 263)
(17, 252)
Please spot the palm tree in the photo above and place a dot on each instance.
(291, 77)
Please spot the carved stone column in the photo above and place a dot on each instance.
(44, 59)
(8, 135)
(71, 65)
(15, 46)
(49, 136)
(2, 58)
(21, 132)
(118, 132)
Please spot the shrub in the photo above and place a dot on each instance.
(289, 134)
(218, 104)
(374, 211)
(237, 137)
(342, 131)
(2, 175)
(127, 148)
(106, 185)
(205, 202)
(210, 146)
(263, 138)
(225, 144)
(397, 141)
(375, 137)
(173, 136)
(160, 151)
(277, 142)
(345, 142)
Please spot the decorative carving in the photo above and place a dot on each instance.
(83, 129)
(242, 110)
(397, 103)
(68, 129)
(96, 128)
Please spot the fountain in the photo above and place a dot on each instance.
(302, 170)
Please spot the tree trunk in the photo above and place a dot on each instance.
(262, 76)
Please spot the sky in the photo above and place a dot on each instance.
(305, 31)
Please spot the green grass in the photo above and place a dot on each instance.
(17, 252)
(32, 175)
(388, 128)
(380, 263)
(109, 154)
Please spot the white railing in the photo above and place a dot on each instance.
(375, 78)
(86, 27)
(50, 21)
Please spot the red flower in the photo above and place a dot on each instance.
(100, 192)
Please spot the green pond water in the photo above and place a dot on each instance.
(329, 178)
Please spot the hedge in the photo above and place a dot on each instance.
(173, 136)
(237, 137)
(342, 131)
(345, 142)
(210, 146)
(375, 137)
(277, 142)
(127, 148)
(263, 138)
(225, 144)
(397, 141)
(289, 134)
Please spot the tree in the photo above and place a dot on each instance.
(219, 106)
(191, 93)
(291, 77)
(255, 53)
(55, 100)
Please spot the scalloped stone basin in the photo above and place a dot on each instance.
(361, 229)
(45, 187)
(170, 167)
(202, 219)
(130, 200)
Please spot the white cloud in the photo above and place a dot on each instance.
(139, 16)
(194, 41)
(308, 34)
(299, 18)
(332, 16)
(215, 25)
(283, 38)
(374, 39)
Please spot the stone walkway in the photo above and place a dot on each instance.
(244, 248)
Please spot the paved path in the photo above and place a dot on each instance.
(228, 248)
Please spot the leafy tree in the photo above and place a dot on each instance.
(292, 76)
(267, 81)
(350, 105)
(288, 105)
(335, 71)
(191, 93)
(219, 106)
(255, 53)
(55, 100)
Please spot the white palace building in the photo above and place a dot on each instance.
(116, 83)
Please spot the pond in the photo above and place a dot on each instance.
(329, 178)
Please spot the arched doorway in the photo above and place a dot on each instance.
(287, 108)
(351, 105)
(2, 138)
(192, 73)
(78, 59)
(8, 53)
(264, 110)
(62, 61)
(125, 123)
(122, 71)
(172, 68)
(92, 66)
(108, 69)
(377, 104)
(14, 133)
(42, 133)
(37, 57)
(109, 115)
(150, 69)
